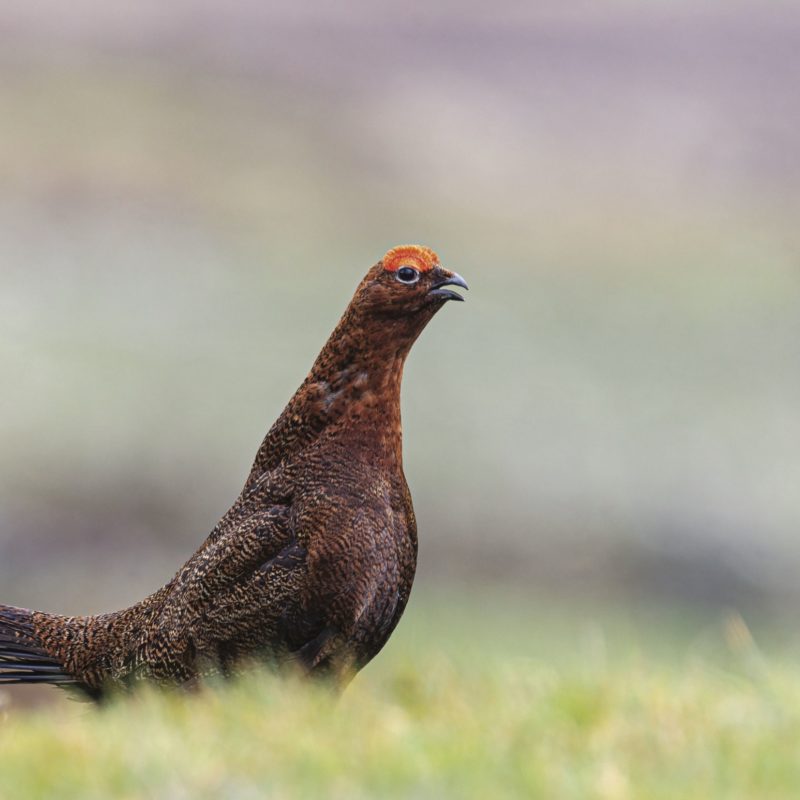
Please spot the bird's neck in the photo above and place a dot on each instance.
(352, 391)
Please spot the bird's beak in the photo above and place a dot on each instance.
(448, 279)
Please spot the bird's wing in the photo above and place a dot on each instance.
(226, 559)
(229, 556)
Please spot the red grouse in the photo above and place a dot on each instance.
(314, 562)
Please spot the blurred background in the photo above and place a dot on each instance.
(190, 191)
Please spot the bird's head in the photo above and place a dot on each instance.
(408, 282)
(391, 306)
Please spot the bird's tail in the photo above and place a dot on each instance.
(23, 658)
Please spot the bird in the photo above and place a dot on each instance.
(312, 566)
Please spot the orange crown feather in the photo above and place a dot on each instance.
(410, 255)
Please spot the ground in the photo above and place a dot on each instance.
(509, 702)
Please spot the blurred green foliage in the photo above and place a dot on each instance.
(459, 707)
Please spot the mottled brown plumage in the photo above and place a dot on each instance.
(313, 563)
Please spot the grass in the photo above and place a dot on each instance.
(467, 714)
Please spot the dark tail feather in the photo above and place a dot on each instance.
(22, 657)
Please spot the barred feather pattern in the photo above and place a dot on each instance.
(22, 658)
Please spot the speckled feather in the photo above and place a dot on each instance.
(314, 562)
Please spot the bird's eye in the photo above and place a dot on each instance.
(407, 275)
